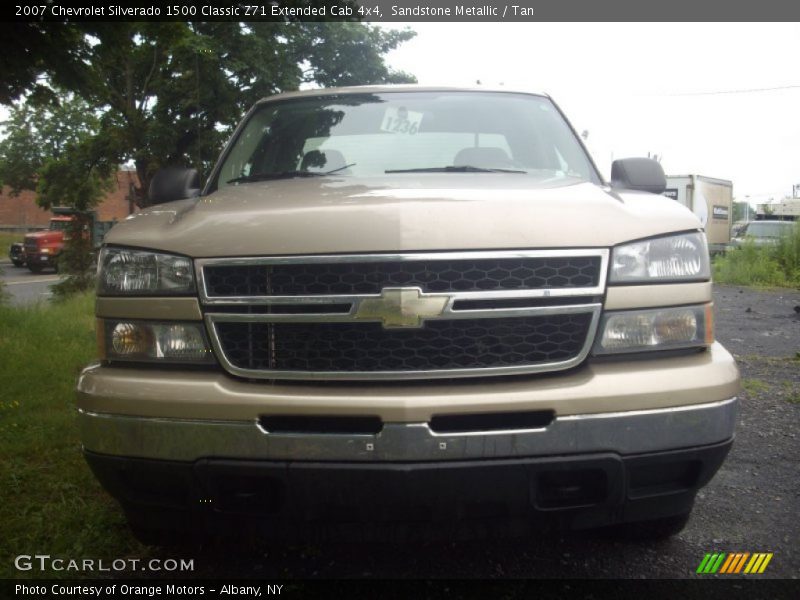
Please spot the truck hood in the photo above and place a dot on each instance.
(47, 236)
(403, 213)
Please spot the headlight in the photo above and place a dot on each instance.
(674, 258)
(659, 329)
(147, 341)
(138, 272)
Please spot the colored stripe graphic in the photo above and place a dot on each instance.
(764, 564)
(740, 564)
(717, 564)
(758, 562)
(724, 563)
(711, 563)
(729, 562)
(755, 562)
(703, 563)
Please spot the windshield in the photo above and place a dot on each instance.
(59, 225)
(764, 229)
(367, 135)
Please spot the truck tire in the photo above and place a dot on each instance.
(18, 263)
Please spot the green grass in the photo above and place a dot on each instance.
(762, 266)
(787, 389)
(51, 502)
(754, 386)
(790, 392)
(6, 239)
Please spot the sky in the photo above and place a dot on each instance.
(639, 88)
(677, 90)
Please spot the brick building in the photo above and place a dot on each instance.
(21, 213)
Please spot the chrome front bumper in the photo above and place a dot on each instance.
(625, 433)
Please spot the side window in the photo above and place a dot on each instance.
(239, 163)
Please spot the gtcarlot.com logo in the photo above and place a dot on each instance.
(45, 562)
(732, 563)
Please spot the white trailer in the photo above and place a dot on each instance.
(787, 209)
(710, 199)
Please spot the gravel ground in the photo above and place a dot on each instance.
(751, 505)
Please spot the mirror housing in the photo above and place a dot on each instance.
(639, 174)
(174, 183)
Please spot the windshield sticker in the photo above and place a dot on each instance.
(401, 120)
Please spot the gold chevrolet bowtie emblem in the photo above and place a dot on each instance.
(402, 307)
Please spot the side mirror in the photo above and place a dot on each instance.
(640, 174)
(174, 183)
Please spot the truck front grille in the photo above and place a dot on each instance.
(368, 347)
(415, 316)
(457, 275)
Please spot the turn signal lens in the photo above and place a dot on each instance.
(659, 329)
(156, 342)
(675, 326)
(131, 339)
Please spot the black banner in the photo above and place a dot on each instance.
(401, 10)
(581, 589)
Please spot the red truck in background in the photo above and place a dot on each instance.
(42, 249)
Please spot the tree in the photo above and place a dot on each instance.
(48, 142)
(28, 50)
(157, 94)
(49, 147)
(169, 93)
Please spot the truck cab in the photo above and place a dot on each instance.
(407, 305)
(42, 249)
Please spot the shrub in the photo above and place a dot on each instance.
(770, 265)
(787, 253)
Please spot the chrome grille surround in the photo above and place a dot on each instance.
(585, 302)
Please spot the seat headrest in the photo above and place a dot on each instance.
(482, 157)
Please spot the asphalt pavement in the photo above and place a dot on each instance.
(25, 288)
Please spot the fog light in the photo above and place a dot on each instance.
(156, 342)
(181, 342)
(659, 329)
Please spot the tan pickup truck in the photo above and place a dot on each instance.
(407, 305)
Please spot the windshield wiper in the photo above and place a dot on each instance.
(285, 175)
(277, 175)
(332, 171)
(452, 169)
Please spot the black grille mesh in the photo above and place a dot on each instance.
(430, 275)
(443, 344)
